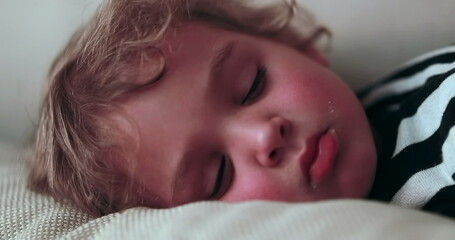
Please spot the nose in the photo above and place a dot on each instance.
(263, 141)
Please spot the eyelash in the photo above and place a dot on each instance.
(256, 87)
(223, 179)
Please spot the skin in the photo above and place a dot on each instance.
(188, 120)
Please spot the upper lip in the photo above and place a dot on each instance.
(310, 152)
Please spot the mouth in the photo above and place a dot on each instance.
(319, 155)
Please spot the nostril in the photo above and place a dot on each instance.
(273, 154)
(282, 130)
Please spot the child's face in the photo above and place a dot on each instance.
(284, 127)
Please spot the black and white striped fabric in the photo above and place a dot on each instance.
(413, 114)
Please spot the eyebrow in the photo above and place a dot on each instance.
(217, 62)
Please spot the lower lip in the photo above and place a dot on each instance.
(324, 160)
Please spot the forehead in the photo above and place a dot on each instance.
(188, 49)
(191, 40)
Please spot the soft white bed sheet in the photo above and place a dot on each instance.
(26, 215)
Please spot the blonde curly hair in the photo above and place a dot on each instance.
(75, 142)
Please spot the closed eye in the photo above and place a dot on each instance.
(223, 179)
(256, 87)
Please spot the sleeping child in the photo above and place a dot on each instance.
(160, 103)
